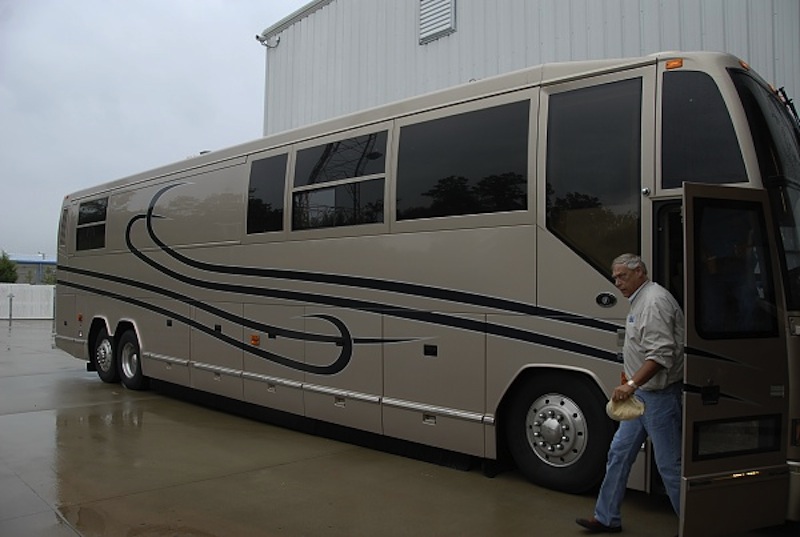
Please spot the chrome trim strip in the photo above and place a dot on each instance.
(166, 359)
(750, 475)
(247, 375)
(486, 419)
(217, 369)
(430, 409)
(70, 339)
(342, 393)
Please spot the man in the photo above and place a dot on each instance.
(653, 363)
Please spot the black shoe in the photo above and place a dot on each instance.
(595, 526)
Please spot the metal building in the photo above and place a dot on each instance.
(34, 269)
(333, 57)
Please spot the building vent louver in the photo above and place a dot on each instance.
(437, 18)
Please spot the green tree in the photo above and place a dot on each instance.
(8, 269)
(49, 277)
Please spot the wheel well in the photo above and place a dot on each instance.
(122, 327)
(97, 325)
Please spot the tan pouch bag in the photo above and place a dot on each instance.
(629, 409)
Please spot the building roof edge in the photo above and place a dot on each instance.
(297, 16)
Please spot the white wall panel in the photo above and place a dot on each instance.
(631, 27)
(787, 46)
(23, 301)
(691, 36)
(339, 56)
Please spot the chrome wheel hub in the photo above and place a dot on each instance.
(103, 356)
(129, 360)
(556, 429)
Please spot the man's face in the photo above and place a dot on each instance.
(628, 280)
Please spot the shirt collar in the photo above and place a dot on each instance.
(636, 293)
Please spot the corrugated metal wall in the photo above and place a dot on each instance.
(340, 56)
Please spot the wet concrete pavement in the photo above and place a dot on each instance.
(82, 458)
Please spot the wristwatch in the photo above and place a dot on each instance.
(632, 384)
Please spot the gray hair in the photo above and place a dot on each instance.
(632, 261)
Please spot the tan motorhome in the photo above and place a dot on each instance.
(438, 271)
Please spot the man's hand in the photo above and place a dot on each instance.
(622, 392)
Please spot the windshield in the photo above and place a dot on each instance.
(776, 136)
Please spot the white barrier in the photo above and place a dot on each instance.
(24, 301)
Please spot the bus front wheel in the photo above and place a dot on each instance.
(558, 432)
(130, 363)
(103, 357)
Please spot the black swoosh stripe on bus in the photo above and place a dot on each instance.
(371, 307)
(272, 330)
(372, 283)
(345, 340)
(394, 311)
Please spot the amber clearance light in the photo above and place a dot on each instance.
(676, 63)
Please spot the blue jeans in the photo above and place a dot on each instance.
(662, 423)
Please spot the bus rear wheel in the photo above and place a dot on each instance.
(558, 433)
(103, 357)
(130, 362)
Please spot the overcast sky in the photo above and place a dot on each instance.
(94, 90)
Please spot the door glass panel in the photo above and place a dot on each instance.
(733, 273)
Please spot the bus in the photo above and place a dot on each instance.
(437, 270)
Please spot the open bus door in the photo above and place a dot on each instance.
(735, 402)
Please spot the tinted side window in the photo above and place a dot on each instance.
(265, 194)
(62, 228)
(470, 163)
(344, 205)
(91, 230)
(335, 184)
(698, 142)
(344, 159)
(594, 170)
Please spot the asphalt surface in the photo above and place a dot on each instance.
(82, 458)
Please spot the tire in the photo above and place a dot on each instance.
(130, 362)
(558, 432)
(104, 359)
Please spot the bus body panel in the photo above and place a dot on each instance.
(216, 365)
(467, 330)
(266, 382)
(352, 396)
(164, 342)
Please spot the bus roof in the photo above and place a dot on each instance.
(544, 74)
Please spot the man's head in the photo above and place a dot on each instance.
(629, 273)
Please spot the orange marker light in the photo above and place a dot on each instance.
(677, 63)
(744, 65)
(255, 340)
